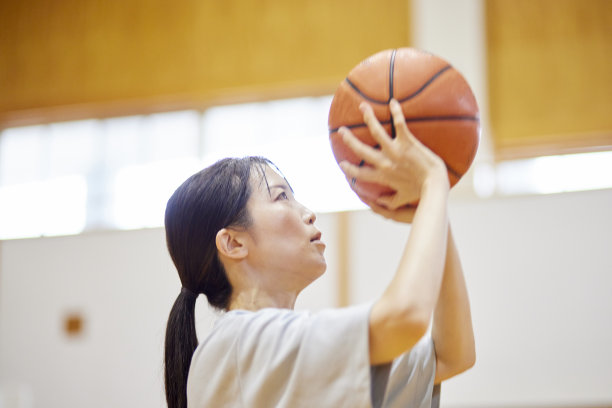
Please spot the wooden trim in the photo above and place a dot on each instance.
(343, 244)
(103, 110)
(554, 145)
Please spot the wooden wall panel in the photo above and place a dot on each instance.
(144, 52)
(550, 82)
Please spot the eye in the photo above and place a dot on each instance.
(282, 196)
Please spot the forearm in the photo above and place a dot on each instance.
(401, 316)
(416, 283)
(452, 330)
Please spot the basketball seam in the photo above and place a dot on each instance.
(418, 91)
(417, 119)
(426, 84)
(391, 72)
(366, 97)
(407, 120)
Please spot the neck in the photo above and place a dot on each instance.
(255, 298)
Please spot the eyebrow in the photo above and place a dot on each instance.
(283, 186)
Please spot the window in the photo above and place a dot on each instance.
(545, 175)
(64, 178)
(293, 134)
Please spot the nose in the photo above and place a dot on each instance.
(309, 216)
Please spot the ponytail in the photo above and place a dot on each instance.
(181, 342)
(206, 202)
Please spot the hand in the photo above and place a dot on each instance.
(404, 164)
(403, 214)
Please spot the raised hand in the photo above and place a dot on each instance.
(404, 164)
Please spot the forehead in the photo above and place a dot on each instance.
(262, 182)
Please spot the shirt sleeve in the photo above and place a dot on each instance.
(299, 359)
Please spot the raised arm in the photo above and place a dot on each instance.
(452, 330)
(402, 314)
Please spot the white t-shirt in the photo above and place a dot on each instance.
(283, 358)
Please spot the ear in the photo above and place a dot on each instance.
(231, 243)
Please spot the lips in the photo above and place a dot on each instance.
(316, 237)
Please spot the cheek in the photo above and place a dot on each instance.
(281, 225)
(289, 231)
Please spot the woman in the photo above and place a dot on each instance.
(237, 235)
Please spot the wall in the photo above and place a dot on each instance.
(120, 284)
(538, 272)
(123, 284)
(549, 81)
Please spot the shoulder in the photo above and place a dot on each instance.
(241, 325)
(270, 354)
(254, 328)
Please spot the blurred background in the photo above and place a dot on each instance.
(107, 106)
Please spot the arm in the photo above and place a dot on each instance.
(452, 331)
(402, 314)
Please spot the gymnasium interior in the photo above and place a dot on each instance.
(106, 107)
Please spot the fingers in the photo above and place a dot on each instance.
(364, 194)
(364, 173)
(379, 134)
(399, 121)
(397, 201)
(404, 214)
(366, 152)
(401, 164)
(390, 202)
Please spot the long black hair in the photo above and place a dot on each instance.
(206, 202)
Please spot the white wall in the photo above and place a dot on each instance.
(123, 283)
(539, 271)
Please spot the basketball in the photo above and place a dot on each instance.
(438, 105)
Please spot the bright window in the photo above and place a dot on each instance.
(545, 175)
(64, 178)
(294, 135)
(49, 207)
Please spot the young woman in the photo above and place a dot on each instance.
(237, 235)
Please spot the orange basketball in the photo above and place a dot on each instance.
(437, 102)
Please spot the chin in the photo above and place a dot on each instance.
(320, 271)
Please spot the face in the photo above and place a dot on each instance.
(284, 243)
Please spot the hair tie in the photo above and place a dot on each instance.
(190, 294)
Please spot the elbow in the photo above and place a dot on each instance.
(472, 356)
(470, 359)
(447, 370)
(465, 364)
(461, 362)
(467, 359)
(468, 356)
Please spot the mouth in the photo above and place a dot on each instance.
(316, 237)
